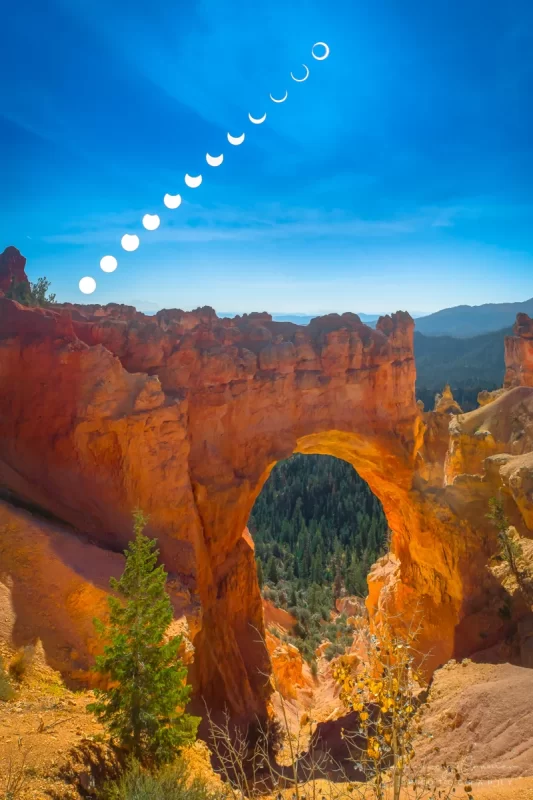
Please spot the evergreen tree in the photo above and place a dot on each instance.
(143, 704)
(32, 294)
(355, 579)
(305, 570)
(337, 580)
(317, 568)
(260, 577)
(272, 570)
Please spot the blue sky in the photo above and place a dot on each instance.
(399, 175)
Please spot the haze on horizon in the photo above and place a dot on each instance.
(397, 177)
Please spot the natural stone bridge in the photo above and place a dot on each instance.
(184, 415)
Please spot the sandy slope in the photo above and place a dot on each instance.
(480, 716)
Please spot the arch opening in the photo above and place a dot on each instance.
(317, 530)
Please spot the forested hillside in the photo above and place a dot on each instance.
(317, 529)
(468, 365)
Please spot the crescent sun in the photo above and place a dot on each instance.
(172, 200)
(326, 51)
(282, 99)
(258, 120)
(301, 80)
(235, 139)
(214, 161)
(193, 183)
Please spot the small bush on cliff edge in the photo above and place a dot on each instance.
(169, 783)
(34, 294)
(143, 706)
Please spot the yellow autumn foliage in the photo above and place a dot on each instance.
(383, 693)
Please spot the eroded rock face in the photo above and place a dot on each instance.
(445, 403)
(184, 415)
(519, 354)
(12, 269)
(288, 667)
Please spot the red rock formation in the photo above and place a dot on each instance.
(445, 403)
(288, 667)
(519, 354)
(12, 269)
(278, 618)
(185, 415)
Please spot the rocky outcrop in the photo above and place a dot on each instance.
(445, 403)
(12, 269)
(350, 606)
(519, 354)
(184, 415)
(288, 667)
(277, 618)
(485, 397)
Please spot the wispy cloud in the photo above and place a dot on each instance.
(195, 223)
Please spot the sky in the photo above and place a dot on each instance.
(398, 176)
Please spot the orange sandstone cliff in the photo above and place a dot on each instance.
(184, 415)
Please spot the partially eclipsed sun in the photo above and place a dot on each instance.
(130, 242)
(151, 222)
(193, 182)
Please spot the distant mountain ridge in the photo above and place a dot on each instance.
(466, 321)
(467, 364)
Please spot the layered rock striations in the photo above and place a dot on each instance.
(184, 415)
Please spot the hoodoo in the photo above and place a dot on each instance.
(184, 415)
(519, 353)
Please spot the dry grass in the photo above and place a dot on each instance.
(21, 662)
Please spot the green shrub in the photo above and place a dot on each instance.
(170, 783)
(33, 295)
(335, 649)
(299, 631)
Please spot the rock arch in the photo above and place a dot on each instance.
(185, 414)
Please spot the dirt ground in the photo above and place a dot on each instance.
(480, 718)
(39, 727)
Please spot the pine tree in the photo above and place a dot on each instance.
(143, 704)
(355, 578)
(272, 570)
(317, 568)
(337, 580)
(305, 570)
(31, 294)
(260, 577)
